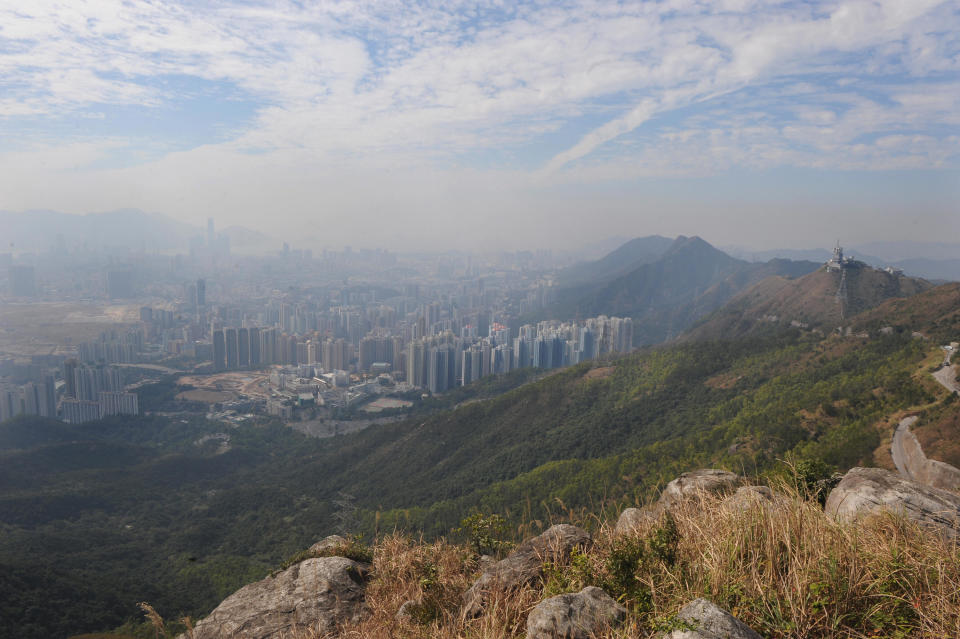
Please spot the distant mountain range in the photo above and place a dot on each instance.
(128, 229)
(664, 285)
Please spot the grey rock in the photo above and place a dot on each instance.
(326, 544)
(747, 497)
(633, 518)
(524, 566)
(316, 594)
(709, 621)
(697, 483)
(577, 615)
(864, 491)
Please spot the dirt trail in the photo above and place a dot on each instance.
(896, 448)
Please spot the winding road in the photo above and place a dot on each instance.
(947, 377)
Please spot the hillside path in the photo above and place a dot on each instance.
(947, 375)
(896, 448)
(902, 437)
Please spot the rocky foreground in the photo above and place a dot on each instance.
(713, 558)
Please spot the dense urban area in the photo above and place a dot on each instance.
(295, 335)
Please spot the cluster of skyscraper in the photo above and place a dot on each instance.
(31, 398)
(88, 393)
(440, 362)
(94, 392)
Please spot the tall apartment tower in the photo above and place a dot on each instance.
(233, 355)
(219, 350)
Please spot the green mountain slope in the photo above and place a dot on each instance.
(98, 517)
(811, 300)
(150, 515)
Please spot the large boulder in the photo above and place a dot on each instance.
(698, 483)
(706, 620)
(749, 497)
(316, 594)
(576, 615)
(327, 544)
(864, 491)
(633, 518)
(524, 566)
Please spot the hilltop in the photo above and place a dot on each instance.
(665, 294)
(810, 301)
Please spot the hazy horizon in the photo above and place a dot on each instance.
(480, 126)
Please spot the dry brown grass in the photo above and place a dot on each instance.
(786, 570)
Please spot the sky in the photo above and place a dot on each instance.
(419, 125)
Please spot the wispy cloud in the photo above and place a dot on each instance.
(547, 93)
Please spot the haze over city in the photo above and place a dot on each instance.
(464, 125)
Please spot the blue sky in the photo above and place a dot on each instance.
(491, 124)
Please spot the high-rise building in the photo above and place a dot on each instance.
(118, 403)
(79, 411)
(254, 346)
(243, 347)
(219, 350)
(233, 355)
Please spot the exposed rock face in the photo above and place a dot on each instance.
(709, 621)
(314, 594)
(696, 483)
(524, 566)
(868, 490)
(631, 519)
(327, 543)
(747, 497)
(576, 615)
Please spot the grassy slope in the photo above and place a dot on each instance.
(149, 516)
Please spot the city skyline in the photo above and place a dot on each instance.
(762, 125)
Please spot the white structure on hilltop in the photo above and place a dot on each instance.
(838, 262)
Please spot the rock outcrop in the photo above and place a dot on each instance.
(315, 594)
(326, 544)
(706, 620)
(697, 483)
(632, 518)
(747, 497)
(524, 566)
(863, 491)
(576, 615)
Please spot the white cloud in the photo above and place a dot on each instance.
(352, 95)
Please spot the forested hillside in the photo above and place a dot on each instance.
(146, 509)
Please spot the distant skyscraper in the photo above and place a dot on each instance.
(118, 403)
(211, 235)
(219, 350)
(254, 333)
(230, 336)
(78, 411)
(243, 347)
